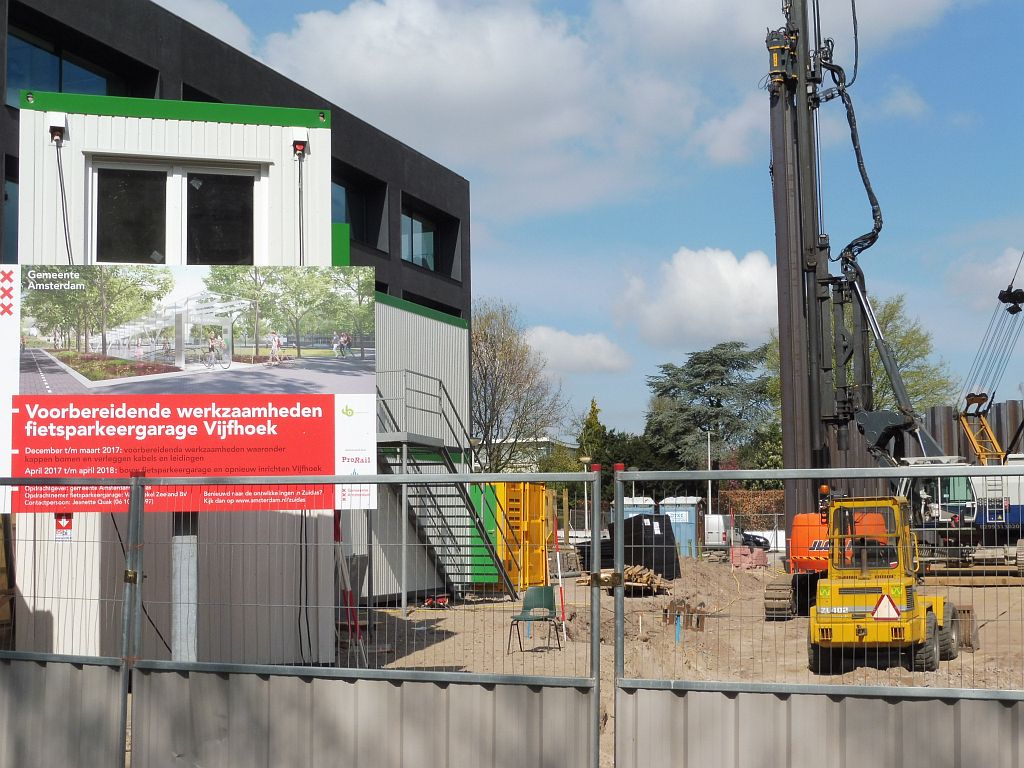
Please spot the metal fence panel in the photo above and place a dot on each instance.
(812, 730)
(249, 611)
(58, 713)
(704, 676)
(269, 720)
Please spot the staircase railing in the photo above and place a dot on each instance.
(409, 401)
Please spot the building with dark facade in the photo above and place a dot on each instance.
(408, 215)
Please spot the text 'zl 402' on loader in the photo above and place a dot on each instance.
(868, 604)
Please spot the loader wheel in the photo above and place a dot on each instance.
(823, 661)
(949, 633)
(925, 657)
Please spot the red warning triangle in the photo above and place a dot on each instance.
(885, 609)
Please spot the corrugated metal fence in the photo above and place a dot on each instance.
(702, 678)
(243, 644)
(246, 638)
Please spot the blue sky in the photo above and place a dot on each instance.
(617, 152)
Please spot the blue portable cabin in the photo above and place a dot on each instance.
(684, 512)
(637, 505)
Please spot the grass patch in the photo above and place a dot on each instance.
(99, 368)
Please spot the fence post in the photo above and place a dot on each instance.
(620, 567)
(620, 593)
(131, 604)
(595, 618)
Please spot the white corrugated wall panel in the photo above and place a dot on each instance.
(410, 342)
(265, 149)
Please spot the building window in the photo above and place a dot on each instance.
(36, 66)
(348, 206)
(173, 215)
(418, 235)
(131, 216)
(10, 255)
(219, 218)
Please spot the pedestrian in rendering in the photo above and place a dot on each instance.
(336, 343)
(346, 344)
(275, 349)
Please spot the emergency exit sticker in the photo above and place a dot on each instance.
(63, 527)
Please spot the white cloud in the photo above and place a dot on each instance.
(701, 298)
(729, 139)
(215, 17)
(577, 353)
(548, 113)
(903, 101)
(975, 282)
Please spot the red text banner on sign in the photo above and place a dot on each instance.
(173, 436)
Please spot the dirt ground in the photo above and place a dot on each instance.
(735, 643)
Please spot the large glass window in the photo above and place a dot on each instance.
(418, 240)
(173, 215)
(219, 218)
(348, 206)
(131, 216)
(34, 65)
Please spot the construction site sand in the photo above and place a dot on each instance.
(736, 644)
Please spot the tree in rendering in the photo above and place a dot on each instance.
(110, 295)
(297, 296)
(249, 284)
(354, 303)
(512, 397)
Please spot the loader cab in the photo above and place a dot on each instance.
(870, 536)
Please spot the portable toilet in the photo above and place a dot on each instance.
(637, 505)
(684, 511)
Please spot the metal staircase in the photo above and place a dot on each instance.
(443, 515)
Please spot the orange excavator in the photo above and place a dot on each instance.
(791, 594)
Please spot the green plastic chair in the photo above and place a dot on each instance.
(538, 605)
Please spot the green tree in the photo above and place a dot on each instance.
(928, 382)
(723, 390)
(764, 451)
(592, 433)
(112, 295)
(126, 293)
(512, 398)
